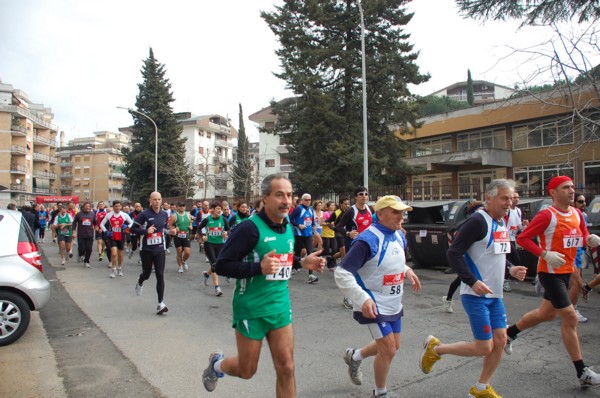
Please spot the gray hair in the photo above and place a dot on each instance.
(265, 186)
(492, 188)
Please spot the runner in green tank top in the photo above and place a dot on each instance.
(259, 253)
(63, 225)
(181, 225)
(216, 227)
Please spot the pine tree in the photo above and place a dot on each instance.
(470, 96)
(242, 169)
(154, 100)
(321, 58)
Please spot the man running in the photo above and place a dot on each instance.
(181, 225)
(259, 253)
(117, 221)
(63, 226)
(100, 214)
(216, 227)
(373, 274)
(560, 229)
(302, 219)
(478, 254)
(84, 224)
(135, 239)
(152, 225)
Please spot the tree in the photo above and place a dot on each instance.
(320, 55)
(431, 105)
(154, 100)
(242, 169)
(532, 12)
(470, 96)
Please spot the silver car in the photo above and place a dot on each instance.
(23, 287)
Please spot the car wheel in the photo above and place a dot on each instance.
(14, 317)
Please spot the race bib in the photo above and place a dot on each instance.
(116, 229)
(393, 284)
(307, 221)
(86, 223)
(285, 270)
(572, 239)
(65, 232)
(214, 231)
(501, 242)
(182, 235)
(513, 232)
(155, 238)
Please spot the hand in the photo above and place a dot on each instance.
(593, 240)
(313, 262)
(302, 226)
(353, 234)
(270, 263)
(204, 238)
(224, 234)
(481, 288)
(554, 259)
(109, 234)
(369, 309)
(414, 280)
(518, 272)
(151, 229)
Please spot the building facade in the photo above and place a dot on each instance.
(209, 150)
(529, 139)
(483, 92)
(91, 168)
(28, 144)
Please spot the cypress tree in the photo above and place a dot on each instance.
(242, 172)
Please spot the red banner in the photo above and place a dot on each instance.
(54, 199)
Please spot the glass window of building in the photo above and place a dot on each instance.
(533, 180)
(543, 133)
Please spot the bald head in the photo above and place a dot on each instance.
(155, 201)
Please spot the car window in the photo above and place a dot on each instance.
(25, 233)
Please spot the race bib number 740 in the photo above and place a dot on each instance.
(285, 270)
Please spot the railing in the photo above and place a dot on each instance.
(66, 164)
(44, 174)
(18, 187)
(223, 143)
(19, 129)
(117, 174)
(282, 149)
(221, 159)
(18, 149)
(29, 115)
(42, 190)
(42, 156)
(66, 187)
(44, 140)
(223, 192)
(286, 168)
(66, 175)
(18, 168)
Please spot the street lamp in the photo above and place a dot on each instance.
(155, 144)
(364, 99)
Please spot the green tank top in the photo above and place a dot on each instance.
(265, 295)
(66, 219)
(214, 230)
(183, 225)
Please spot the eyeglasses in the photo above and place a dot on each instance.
(363, 194)
(581, 201)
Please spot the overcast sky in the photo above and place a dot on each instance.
(83, 58)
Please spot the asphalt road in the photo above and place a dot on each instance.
(107, 342)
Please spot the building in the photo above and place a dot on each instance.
(209, 150)
(91, 168)
(28, 144)
(273, 153)
(483, 92)
(528, 138)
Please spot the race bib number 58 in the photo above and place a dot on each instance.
(285, 270)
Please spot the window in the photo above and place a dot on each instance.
(484, 139)
(201, 150)
(591, 176)
(591, 127)
(431, 147)
(86, 170)
(270, 163)
(535, 178)
(77, 170)
(86, 158)
(201, 133)
(269, 125)
(208, 134)
(543, 134)
(201, 185)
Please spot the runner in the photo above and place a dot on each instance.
(152, 225)
(302, 219)
(84, 224)
(43, 217)
(53, 214)
(100, 214)
(259, 253)
(168, 237)
(118, 221)
(135, 239)
(242, 214)
(181, 225)
(63, 226)
(216, 228)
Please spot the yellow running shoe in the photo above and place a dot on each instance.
(487, 393)
(429, 356)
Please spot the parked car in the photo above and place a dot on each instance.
(23, 287)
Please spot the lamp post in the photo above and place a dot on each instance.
(155, 143)
(364, 99)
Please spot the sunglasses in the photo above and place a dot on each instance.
(363, 194)
(581, 201)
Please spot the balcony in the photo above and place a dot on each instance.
(482, 157)
(42, 157)
(222, 176)
(44, 174)
(29, 115)
(18, 131)
(221, 159)
(66, 188)
(18, 149)
(38, 139)
(18, 169)
(282, 149)
(18, 187)
(66, 175)
(223, 143)
(286, 168)
(117, 174)
(45, 191)
(66, 164)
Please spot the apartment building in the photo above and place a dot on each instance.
(28, 143)
(529, 139)
(209, 149)
(483, 92)
(273, 152)
(91, 168)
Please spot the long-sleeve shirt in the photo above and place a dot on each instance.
(84, 224)
(154, 242)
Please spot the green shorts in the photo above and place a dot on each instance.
(257, 328)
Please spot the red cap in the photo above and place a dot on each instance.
(556, 181)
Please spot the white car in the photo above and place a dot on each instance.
(23, 287)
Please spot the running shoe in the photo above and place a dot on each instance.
(185, 265)
(506, 286)
(120, 272)
(79, 259)
(589, 378)
(585, 294)
(62, 261)
(138, 289)
(113, 274)
(70, 253)
(429, 356)
(168, 251)
(180, 270)
(487, 392)
(580, 318)
(353, 367)
(508, 347)
(228, 279)
(100, 257)
(206, 277)
(447, 305)
(312, 278)
(384, 395)
(210, 377)
(347, 303)
(218, 291)
(87, 265)
(139, 262)
(130, 254)
(161, 309)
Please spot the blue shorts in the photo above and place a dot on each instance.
(485, 315)
(381, 329)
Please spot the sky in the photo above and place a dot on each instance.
(83, 58)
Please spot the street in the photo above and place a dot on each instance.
(111, 343)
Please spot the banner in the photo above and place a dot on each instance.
(54, 199)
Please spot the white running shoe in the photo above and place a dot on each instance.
(62, 261)
(353, 367)
(180, 270)
(87, 265)
(218, 291)
(168, 251)
(580, 317)
(113, 274)
(508, 347)
(161, 309)
(138, 289)
(185, 265)
(347, 303)
(120, 272)
(589, 378)
(447, 305)
(206, 277)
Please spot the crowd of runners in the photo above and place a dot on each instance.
(263, 245)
